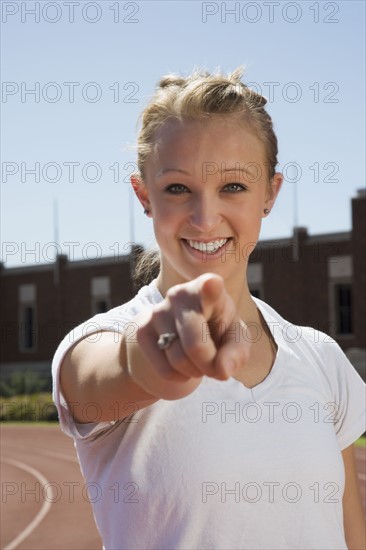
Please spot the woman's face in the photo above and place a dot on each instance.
(206, 186)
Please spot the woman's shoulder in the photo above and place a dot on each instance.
(306, 336)
(318, 354)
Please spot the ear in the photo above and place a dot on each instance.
(273, 190)
(141, 192)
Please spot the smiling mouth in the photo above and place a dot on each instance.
(210, 247)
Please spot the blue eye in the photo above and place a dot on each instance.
(176, 189)
(234, 188)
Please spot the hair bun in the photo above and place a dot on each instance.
(171, 80)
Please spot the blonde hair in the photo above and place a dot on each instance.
(204, 95)
(199, 96)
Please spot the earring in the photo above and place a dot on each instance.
(266, 211)
(146, 211)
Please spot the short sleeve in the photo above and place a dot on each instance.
(350, 396)
(92, 329)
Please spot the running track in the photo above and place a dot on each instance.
(35, 458)
(29, 454)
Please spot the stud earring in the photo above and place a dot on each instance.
(146, 211)
(266, 211)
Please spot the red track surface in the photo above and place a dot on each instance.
(67, 524)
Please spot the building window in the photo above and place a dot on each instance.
(27, 327)
(27, 318)
(101, 306)
(343, 308)
(340, 273)
(100, 295)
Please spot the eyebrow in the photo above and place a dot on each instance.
(167, 170)
(233, 169)
(243, 169)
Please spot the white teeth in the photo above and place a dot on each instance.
(209, 248)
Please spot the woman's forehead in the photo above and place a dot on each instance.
(221, 137)
(174, 126)
(202, 149)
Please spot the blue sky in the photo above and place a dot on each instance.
(307, 58)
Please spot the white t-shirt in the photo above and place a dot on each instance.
(226, 467)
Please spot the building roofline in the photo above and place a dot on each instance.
(34, 268)
(311, 239)
(108, 260)
(329, 237)
(99, 261)
(6, 271)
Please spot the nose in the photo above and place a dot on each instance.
(204, 214)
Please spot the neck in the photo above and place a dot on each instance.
(245, 305)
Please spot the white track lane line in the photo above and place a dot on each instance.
(43, 452)
(43, 511)
(61, 456)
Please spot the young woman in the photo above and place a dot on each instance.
(213, 430)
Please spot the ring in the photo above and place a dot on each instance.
(166, 339)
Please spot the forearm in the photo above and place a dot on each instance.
(355, 531)
(353, 511)
(97, 384)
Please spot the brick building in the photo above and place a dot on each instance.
(317, 281)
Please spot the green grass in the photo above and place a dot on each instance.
(34, 407)
(361, 442)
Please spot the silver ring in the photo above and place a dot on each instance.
(166, 339)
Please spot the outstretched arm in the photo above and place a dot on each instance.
(353, 512)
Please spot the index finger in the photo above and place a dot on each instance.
(196, 339)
